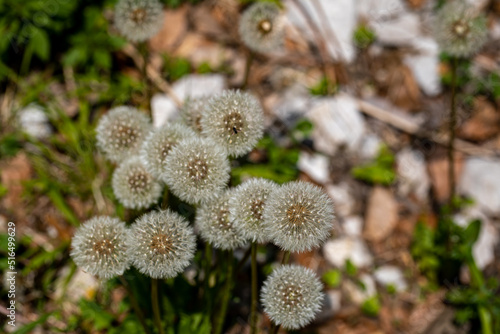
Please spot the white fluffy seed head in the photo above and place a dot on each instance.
(99, 247)
(246, 208)
(138, 20)
(192, 110)
(234, 120)
(159, 143)
(459, 29)
(262, 27)
(292, 296)
(161, 244)
(121, 131)
(196, 170)
(215, 226)
(298, 216)
(134, 186)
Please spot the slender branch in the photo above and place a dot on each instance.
(143, 49)
(135, 305)
(453, 124)
(156, 306)
(226, 294)
(253, 306)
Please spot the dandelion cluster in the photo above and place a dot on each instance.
(161, 244)
(138, 20)
(99, 247)
(215, 225)
(196, 170)
(261, 27)
(235, 122)
(459, 29)
(247, 208)
(292, 296)
(121, 131)
(298, 216)
(134, 186)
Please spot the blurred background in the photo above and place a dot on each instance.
(357, 101)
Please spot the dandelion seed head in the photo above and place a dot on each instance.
(262, 27)
(134, 186)
(159, 143)
(459, 29)
(99, 247)
(234, 120)
(192, 110)
(247, 207)
(298, 216)
(215, 225)
(292, 296)
(138, 20)
(196, 170)
(161, 244)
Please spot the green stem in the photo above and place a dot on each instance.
(247, 69)
(274, 329)
(477, 280)
(452, 126)
(286, 258)
(135, 305)
(253, 307)
(219, 324)
(156, 306)
(206, 284)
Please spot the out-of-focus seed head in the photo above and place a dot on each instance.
(298, 216)
(161, 244)
(192, 110)
(247, 206)
(159, 143)
(196, 170)
(215, 226)
(292, 296)
(234, 120)
(459, 29)
(138, 20)
(121, 131)
(134, 186)
(262, 27)
(99, 247)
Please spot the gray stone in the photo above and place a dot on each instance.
(391, 275)
(425, 65)
(338, 251)
(315, 166)
(342, 198)
(412, 173)
(353, 226)
(34, 121)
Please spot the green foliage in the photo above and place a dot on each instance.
(381, 171)
(324, 87)
(332, 278)
(176, 68)
(350, 268)
(10, 144)
(371, 306)
(177, 3)
(364, 36)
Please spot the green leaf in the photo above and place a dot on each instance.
(41, 44)
(471, 233)
(93, 313)
(371, 306)
(29, 328)
(332, 278)
(197, 323)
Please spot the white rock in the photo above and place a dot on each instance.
(82, 285)
(483, 250)
(163, 107)
(400, 31)
(480, 180)
(342, 198)
(412, 172)
(358, 294)
(337, 121)
(338, 251)
(369, 146)
(353, 226)
(391, 275)
(337, 31)
(425, 65)
(34, 121)
(293, 104)
(315, 165)
(376, 11)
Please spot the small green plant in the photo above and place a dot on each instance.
(364, 36)
(324, 87)
(332, 278)
(371, 306)
(381, 171)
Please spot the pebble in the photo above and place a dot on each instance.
(338, 251)
(391, 275)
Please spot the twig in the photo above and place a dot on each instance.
(152, 74)
(408, 126)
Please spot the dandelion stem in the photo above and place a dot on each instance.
(452, 126)
(135, 305)
(208, 265)
(219, 324)
(156, 306)
(247, 69)
(253, 307)
(286, 258)
(243, 259)
(275, 329)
